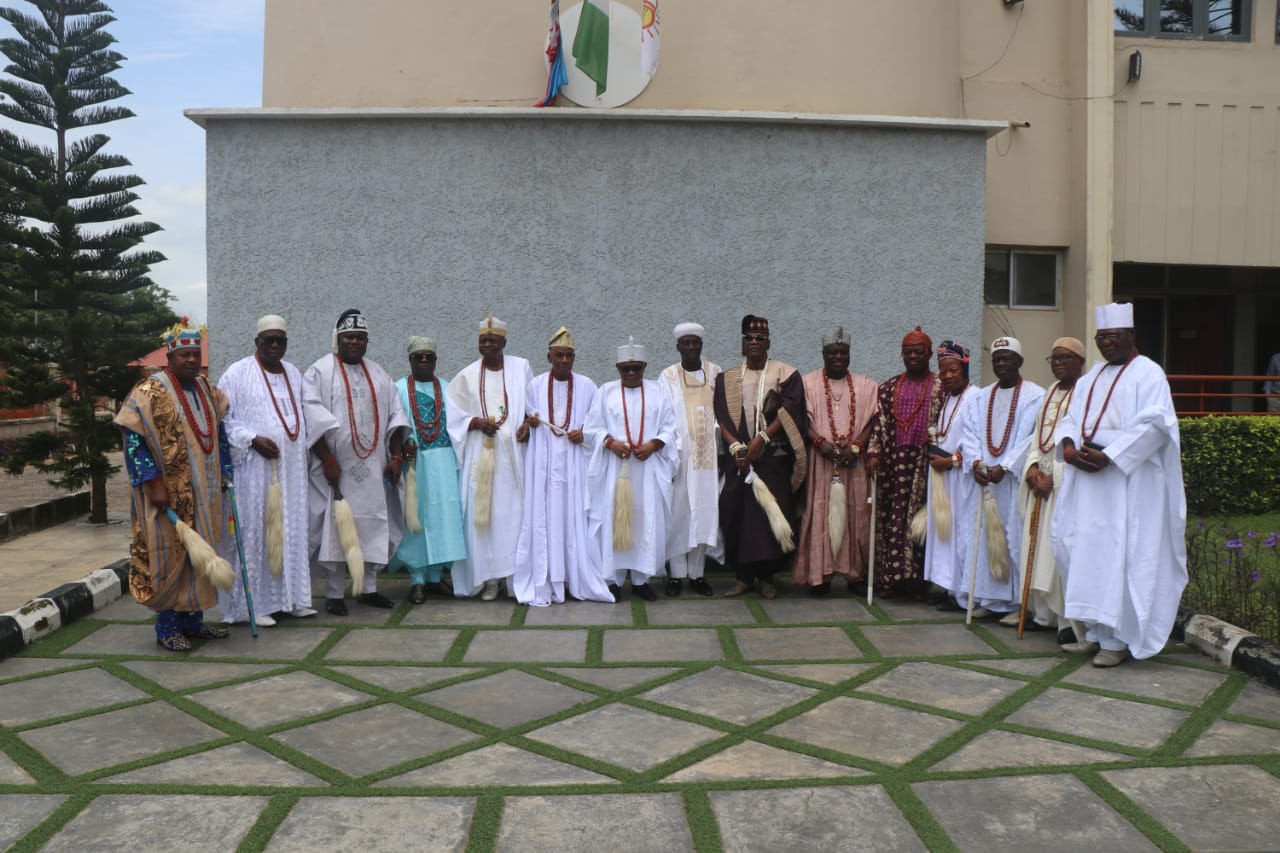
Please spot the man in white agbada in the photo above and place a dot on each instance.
(485, 410)
(632, 431)
(952, 491)
(1041, 485)
(355, 426)
(554, 555)
(1120, 526)
(268, 439)
(997, 432)
(694, 534)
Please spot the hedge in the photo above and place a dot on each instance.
(1231, 465)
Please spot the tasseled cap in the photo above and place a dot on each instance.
(491, 325)
(561, 338)
(917, 336)
(751, 324)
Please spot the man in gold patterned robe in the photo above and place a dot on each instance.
(177, 456)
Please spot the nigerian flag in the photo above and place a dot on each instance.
(591, 42)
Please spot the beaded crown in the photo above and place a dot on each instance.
(182, 335)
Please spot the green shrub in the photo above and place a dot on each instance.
(1234, 574)
(1231, 465)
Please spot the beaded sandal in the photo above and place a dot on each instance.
(174, 643)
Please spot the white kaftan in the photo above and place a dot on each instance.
(330, 409)
(1119, 533)
(648, 409)
(695, 496)
(555, 550)
(1046, 581)
(944, 560)
(1000, 596)
(264, 403)
(491, 551)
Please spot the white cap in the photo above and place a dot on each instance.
(631, 351)
(1011, 344)
(270, 322)
(686, 329)
(1116, 315)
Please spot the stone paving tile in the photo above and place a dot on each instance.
(12, 774)
(1227, 738)
(398, 678)
(625, 736)
(417, 646)
(465, 612)
(499, 764)
(354, 823)
(791, 643)
(20, 813)
(925, 640)
(1032, 642)
(1151, 680)
(701, 611)
(1208, 808)
(1021, 666)
(751, 760)
(855, 818)
(836, 609)
(374, 739)
(183, 674)
(233, 764)
(63, 694)
(672, 644)
(730, 695)
(579, 613)
(92, 743)
(293, 644)
(827, 673)
(1099, 717)
(125, 609)
(278, 699)
(17, 667)
(125, 640)
(527, 646)
(947, 687)
(904, 609)
(616, 677)
(1029, 813)
(649, 823)
(357, 613)
(868, 729)
(506, 698)
(1258, 700)
(1009, 749)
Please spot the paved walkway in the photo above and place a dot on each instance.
(687, 724)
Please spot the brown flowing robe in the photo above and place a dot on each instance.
(160, 575)
(815, 562)
(903, 483)
(747, 535)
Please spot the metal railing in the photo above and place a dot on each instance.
(1195, 395)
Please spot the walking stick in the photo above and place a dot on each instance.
(240, 548)
(871, 550)
(1030, 562)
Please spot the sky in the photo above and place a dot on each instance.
(180, 54)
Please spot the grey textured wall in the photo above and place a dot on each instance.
(613, 228)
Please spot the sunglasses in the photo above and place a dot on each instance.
(274, 340)
(631, 368)
(757, 338)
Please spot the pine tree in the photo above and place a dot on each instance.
(74, 286)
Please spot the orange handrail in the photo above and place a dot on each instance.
(1212, 393)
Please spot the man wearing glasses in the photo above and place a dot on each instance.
(268, 437)
(1118, 533)
(761, 412)
(631, 428)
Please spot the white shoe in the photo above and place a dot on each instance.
(490, 591)
(1080, 647)
(264, 621)
(981, 613)
(1110, 657)
(302, 612)
(1010, 619)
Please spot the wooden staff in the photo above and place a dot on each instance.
(1030, 563)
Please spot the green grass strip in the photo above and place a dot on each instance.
(1132, 812)
(935, 838)
(702, 822)
(51, 825)
(259, 835)
(62, 639)
(485, 824)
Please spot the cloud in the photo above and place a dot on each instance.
(179, 208)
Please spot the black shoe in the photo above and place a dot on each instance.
(615, 591)
(822, 590)
(701, 587)
(207, 632)
(335, 607)
(375, 599)
(1067, 635)
(644, 591)
(417, 593)
(673, 587)
(948, 605)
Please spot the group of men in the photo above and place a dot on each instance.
(555, 487)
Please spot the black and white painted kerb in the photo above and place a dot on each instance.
(1230, 645)
(45, 614)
